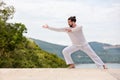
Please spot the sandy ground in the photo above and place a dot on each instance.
(59, 74)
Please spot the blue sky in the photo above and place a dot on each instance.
(100, 18)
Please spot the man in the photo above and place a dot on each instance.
(78, 43)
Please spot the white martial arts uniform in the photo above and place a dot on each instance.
(78, 43)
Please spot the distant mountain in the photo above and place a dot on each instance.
(108, 55)
(112, 46)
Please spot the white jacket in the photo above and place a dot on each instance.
(76, 35)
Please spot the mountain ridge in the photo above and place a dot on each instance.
(80, 57)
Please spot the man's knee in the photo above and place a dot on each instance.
(64, 51)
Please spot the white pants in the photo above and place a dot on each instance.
(85, 48)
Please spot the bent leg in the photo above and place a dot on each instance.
(67, 53)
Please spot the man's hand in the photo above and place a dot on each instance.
(45, 26)
(68, 30)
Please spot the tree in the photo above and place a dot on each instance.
(16, 51)
(11, 34)
(6, 12)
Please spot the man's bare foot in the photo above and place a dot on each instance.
(104, 67)
(71, 66)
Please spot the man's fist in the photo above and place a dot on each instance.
(45, 26)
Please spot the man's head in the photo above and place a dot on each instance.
(71, 21)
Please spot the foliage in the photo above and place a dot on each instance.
(16, 51)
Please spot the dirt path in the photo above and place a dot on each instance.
(59, 74)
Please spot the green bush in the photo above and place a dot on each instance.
(16, 51)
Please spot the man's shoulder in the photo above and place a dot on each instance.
(79, 26)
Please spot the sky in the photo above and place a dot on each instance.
(100, 19)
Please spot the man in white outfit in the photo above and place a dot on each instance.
(78, 43)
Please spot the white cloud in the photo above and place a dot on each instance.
(95, 16)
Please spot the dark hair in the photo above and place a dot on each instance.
(72, 18)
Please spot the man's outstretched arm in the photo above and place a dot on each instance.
(55, 29)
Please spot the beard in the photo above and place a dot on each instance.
(71, 26)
